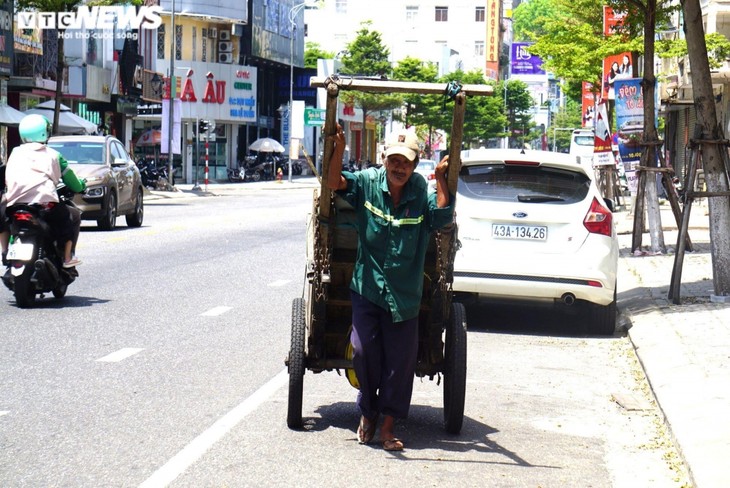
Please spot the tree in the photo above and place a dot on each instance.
(419, 110)
(518, 107)
(313, 52)
(367, 56)
(713, 162)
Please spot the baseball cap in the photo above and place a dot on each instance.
(403, 142)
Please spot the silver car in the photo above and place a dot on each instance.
(113, 183)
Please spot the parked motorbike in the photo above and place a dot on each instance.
(283, 164)
(149, 173)
(154, 177)
(35, 261)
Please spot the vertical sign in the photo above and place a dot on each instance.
(588, 105)
(492, 55)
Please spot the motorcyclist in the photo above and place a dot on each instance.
(33, 172)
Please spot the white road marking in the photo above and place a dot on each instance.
(213, 312)
(4, 412)
(201, 444)
(120, 355)
(279, 283)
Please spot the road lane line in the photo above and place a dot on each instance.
(201, 444)
(215, 311)
(120, 355)
(279, 283)
(4, 412)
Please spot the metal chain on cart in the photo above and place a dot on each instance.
(322, 256)
(445, 263)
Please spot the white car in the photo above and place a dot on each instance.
(427, 169)
(533, 226)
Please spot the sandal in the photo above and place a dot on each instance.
(366, 430)
(393, 444)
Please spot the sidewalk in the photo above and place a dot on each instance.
(684, 349)
(219, 189)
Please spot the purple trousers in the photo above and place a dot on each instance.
(384, 359)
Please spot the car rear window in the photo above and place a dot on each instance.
(80, 152)
(539, 184)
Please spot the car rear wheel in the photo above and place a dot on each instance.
(602, 318)
(135, 219)
(109, 220)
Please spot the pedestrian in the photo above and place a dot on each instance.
(395, 215)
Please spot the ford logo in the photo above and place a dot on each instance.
(519, 215)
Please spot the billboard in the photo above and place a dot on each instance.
(524, 63)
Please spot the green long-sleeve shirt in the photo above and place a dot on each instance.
(392, 240)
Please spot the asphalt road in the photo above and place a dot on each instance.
(164, 366)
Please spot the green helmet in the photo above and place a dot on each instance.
(34, 128)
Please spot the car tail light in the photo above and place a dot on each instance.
(432, 176)
(599, 219)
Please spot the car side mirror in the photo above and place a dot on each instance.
(119, 162)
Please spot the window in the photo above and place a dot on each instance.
(341, 6)
(178, 42)
(195, 43)
(479, 14)
(204, 47)
(411, 12)
(442, 14)
(161, 41)
(479, 48)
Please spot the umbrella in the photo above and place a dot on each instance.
(266, 144)
(68, 122)
(10, 116)
(150, 137)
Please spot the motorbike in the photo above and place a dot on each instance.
(34, 259)
(149, 173)
(154, 177)
(283, 164)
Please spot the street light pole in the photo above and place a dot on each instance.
(293, 12)
(171, 96)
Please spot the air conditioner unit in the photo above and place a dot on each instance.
(225, 58)
(224, 35)
(213, 32)
(225, 46)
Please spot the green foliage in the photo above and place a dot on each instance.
(367, 56)
(567, 116)
(419, 110)
(718, 49)
(313, 52)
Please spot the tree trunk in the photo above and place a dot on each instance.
(649, 157)
(713, 161)
(60, 65)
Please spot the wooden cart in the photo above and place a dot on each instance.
(321, 319)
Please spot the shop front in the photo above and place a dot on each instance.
(211, 102)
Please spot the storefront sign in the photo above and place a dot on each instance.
(6, 37)
(314, 116)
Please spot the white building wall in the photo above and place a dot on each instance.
(403, 32)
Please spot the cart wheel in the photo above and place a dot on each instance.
(296, 364)
(455, 369)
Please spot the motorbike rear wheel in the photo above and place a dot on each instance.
(60, 291)
(24, 288)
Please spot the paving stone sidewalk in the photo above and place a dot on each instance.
(684, 349)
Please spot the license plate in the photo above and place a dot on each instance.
(520, 232)
(18, 251)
